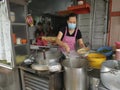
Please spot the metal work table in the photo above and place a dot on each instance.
(40, 80)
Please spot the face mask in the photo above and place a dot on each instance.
(71, 26)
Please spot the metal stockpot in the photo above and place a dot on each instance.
(75, 75)
(94, 82)
(47, 55)
(110, 74)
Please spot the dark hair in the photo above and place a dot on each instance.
(34, 22)
(39, 23)
(71, 15)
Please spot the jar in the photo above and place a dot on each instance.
(14, 38)
(23, 41)
(80, 2)
(12, 16)
(18, 41)
(117, 44)
(117, 55)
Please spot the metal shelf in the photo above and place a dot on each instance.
(21, 24)
(17, 45)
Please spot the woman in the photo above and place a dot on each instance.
(68, 36)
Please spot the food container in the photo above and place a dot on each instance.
(117, 54)
(95, 60)
(117, 44)
(23, 41)
(39, 67)
(12, 16)
(54, 67)
(18, 41)
(14, 38)
(80, 2)
(107, 51)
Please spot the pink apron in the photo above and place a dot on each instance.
(70, 40)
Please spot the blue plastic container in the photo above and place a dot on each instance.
(108, 54)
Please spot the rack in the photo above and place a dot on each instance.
(77, 9)
(20, 29)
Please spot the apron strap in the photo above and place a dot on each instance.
(76, 32)
(65, 31)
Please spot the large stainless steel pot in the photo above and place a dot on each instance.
(94, 82)
(47, 55)
(75, 77)
(110, 74)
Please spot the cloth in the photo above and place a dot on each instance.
(32, 32)
(5, 34)
(78, 35)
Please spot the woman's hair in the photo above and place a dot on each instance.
(71, 15)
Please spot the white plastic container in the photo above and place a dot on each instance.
(12, 16)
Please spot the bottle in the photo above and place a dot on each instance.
(117, 54)
(18, 41)
(80, 2)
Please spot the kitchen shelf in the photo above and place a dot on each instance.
(20, 24)
(64, 12)
(17, 45)
(77, 9)
(80, 9)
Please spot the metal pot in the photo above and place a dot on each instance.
(54, 66)
(47, 55)
(94, 82)
(75, 76)
(110, 74)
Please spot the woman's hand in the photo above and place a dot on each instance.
(67, 48)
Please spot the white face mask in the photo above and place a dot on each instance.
(71, 26)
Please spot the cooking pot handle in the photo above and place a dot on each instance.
(112, 71)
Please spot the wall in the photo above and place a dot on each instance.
(115, 22)
(115, 5)
(94, 24)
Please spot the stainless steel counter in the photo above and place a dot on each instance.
(40, 80)
(9, 79)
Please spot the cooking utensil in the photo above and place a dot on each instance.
(110, 74)
(54, 66)
(83, 50)
(39, 67)
(48, 54)
(75, 76)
